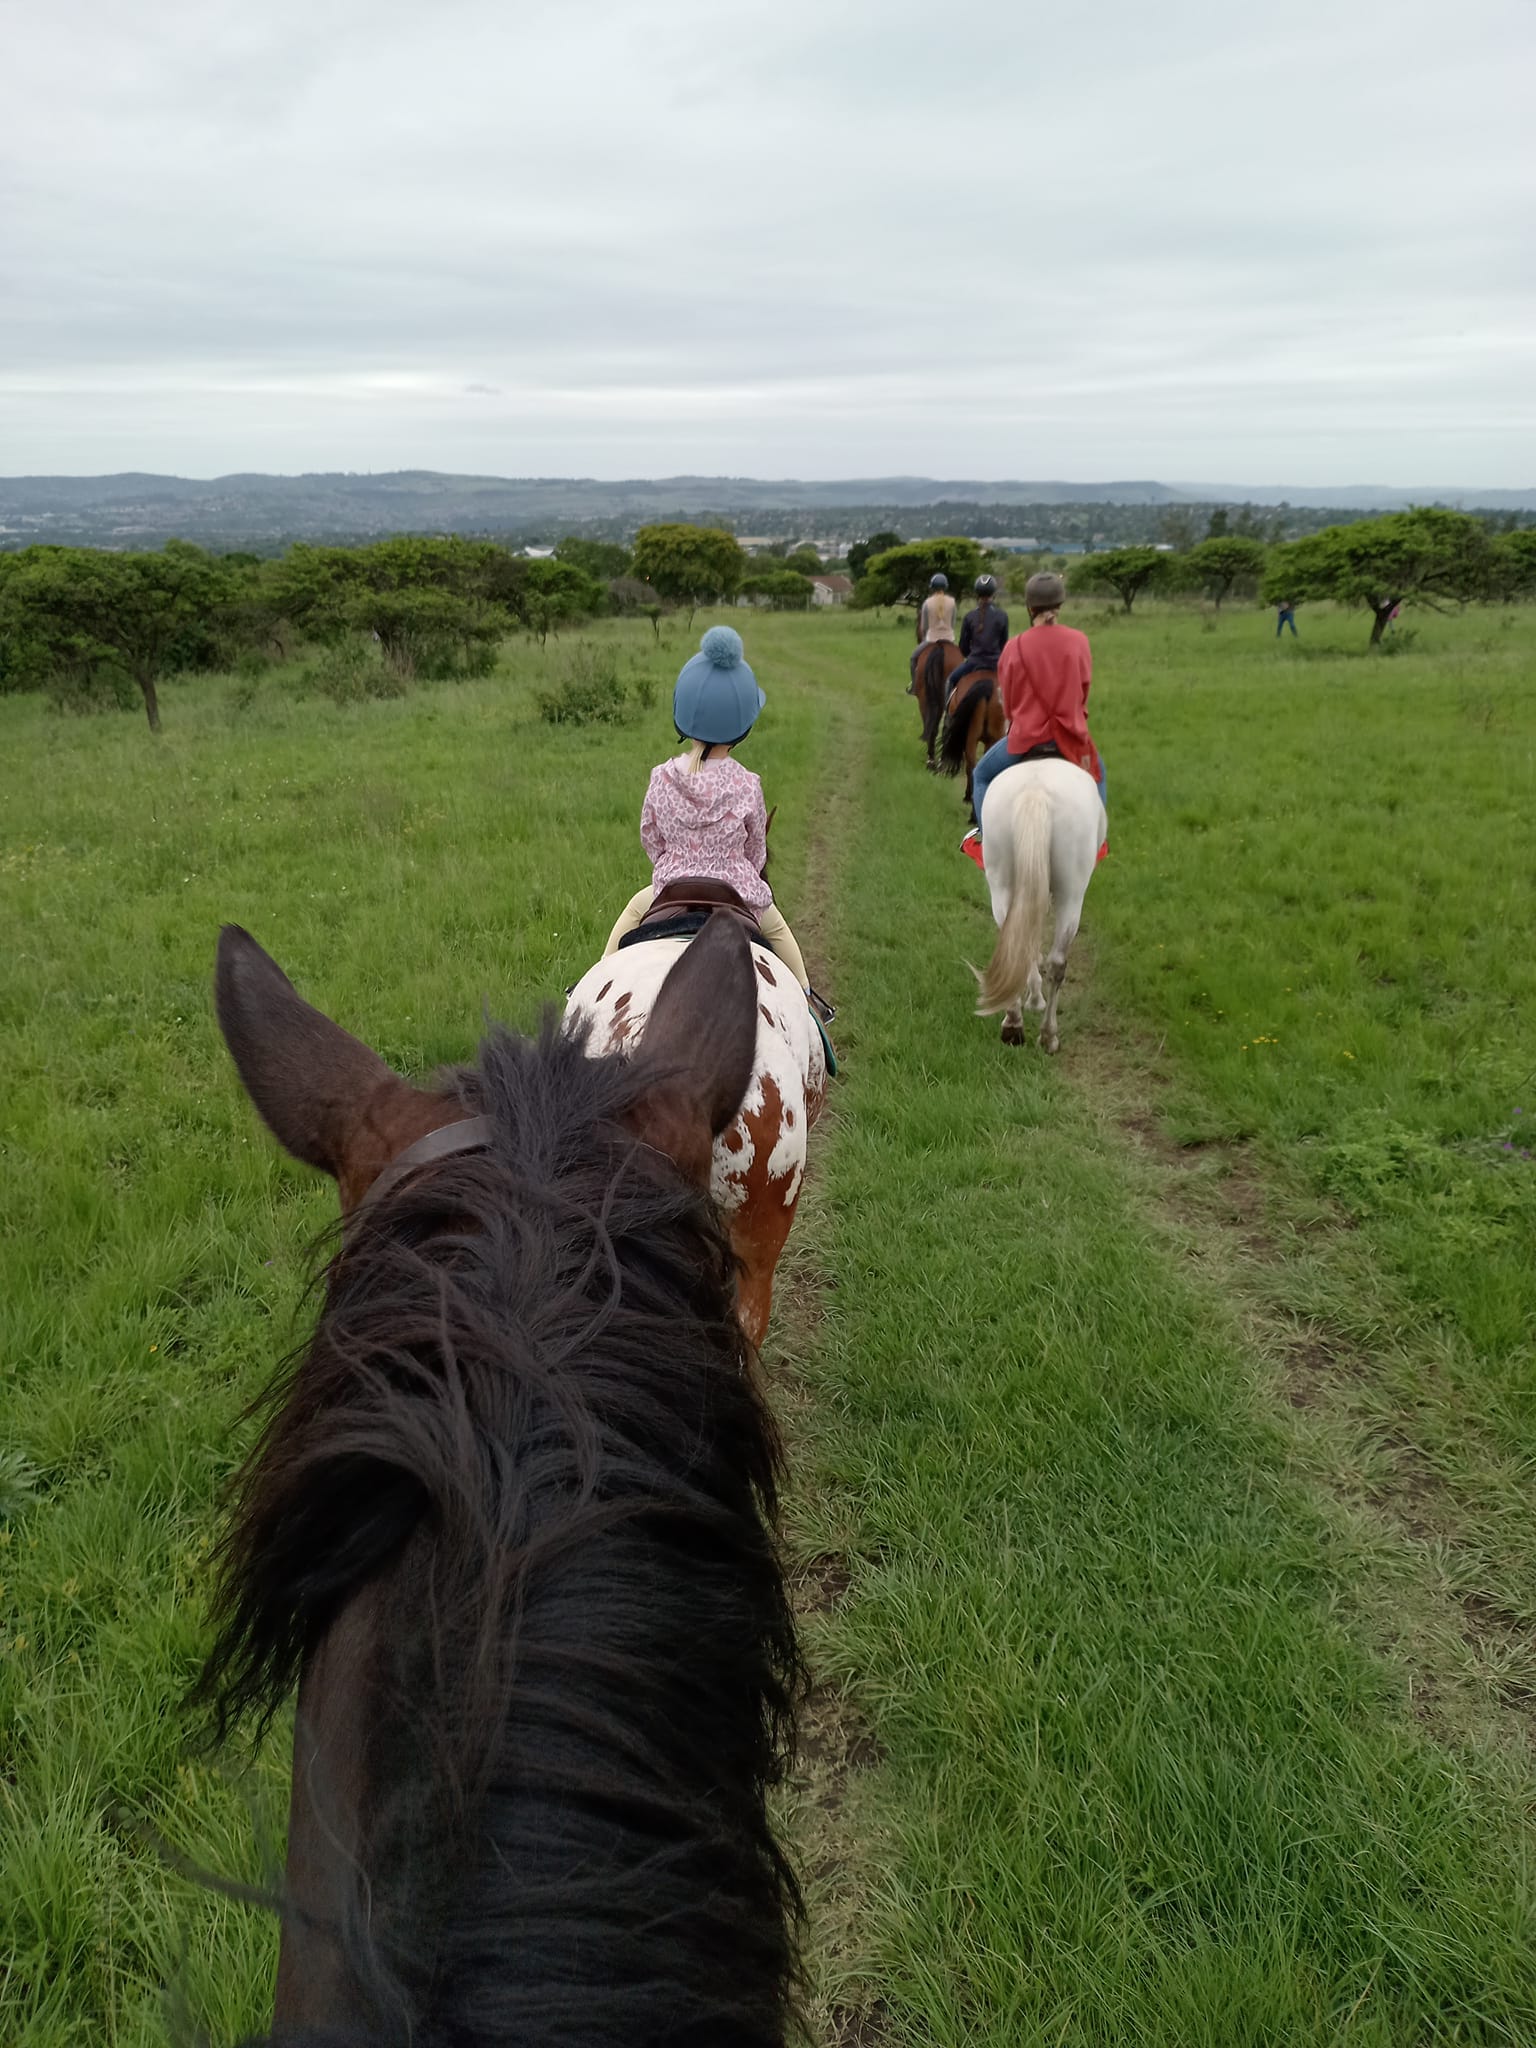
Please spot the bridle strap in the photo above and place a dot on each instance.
(469, 1134)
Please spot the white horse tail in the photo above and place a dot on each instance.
(1022, 935)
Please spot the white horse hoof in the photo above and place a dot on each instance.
(1050, 1042)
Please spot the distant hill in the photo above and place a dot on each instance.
(137, 509)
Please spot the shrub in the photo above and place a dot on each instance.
(351, 672)
(1399, 640)
(85, 690)
(592, 691)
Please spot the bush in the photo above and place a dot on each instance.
(592, 691)
(352, 672)
(86, 691)
(1397, 640)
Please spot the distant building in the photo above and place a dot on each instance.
(1012, 547)
(538, 554)
(830, 589)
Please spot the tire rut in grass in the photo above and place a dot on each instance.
(1455, 1623)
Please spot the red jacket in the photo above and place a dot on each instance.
(1045, 675)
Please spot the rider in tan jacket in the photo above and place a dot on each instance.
(935, 617)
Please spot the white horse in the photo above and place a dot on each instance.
(759, 1159)
(1042, 825)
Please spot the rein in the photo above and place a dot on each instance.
(469, 1134)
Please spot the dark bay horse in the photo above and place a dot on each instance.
(930, 686)
(973, 721)
(509, 1526)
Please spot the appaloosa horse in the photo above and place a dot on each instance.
(509, 1526)
(1042, 825)
(759, 1161)
(973, 720)
(930, 686)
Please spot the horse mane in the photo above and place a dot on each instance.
(529, 1416)
(957, 722)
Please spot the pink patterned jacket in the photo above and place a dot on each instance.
(709, 824)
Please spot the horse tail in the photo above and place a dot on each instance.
(957, 724)
(1027, 849)
(930, 687)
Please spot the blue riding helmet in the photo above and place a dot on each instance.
(716, 698)
(938, 581)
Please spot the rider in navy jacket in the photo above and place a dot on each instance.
(983, 633)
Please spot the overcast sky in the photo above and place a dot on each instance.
(1191, 241)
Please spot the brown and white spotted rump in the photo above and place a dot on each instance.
(759, 1160)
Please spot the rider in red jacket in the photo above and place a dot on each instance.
(1045, 675)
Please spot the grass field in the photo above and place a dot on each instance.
(1162, 1416)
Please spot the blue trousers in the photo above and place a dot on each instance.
(1286, 619)
(997, 758)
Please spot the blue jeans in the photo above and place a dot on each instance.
(997, 758)
(1286, 619)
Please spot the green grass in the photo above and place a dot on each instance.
(1145, 1649)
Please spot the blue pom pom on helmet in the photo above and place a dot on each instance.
(716, 698)
(722, 646)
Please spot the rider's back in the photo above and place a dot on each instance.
(1045, 675)
(937, 617)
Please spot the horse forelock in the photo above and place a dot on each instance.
(528, 1384)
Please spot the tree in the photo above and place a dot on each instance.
(901, 575)
(1217, 529)
(1216, 565)
(1512, 565)
(785, 590)
(863, 550)
(805, 562)
(78, 609)
(427, 632)
(1435, 557)
(628, 595)
(1126, 571)
(688, 565)
(603, 560)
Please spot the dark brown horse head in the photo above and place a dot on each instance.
(334, 1104)
(510, 1526)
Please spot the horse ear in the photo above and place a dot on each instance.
(325, 1096)
(702, 1041)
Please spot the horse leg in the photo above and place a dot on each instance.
(1012, 1032)
(758, 1235)
(1055, 975)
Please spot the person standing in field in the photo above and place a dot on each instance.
(1044, 675)
(1286, 617)
(983, 633)
(935, 617)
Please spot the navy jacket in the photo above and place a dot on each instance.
(984, 633)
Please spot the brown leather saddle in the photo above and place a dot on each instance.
(682, 908)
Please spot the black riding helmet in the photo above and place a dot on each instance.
(985, 586)
(938, 581)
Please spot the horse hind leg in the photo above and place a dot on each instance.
(1055, 975)
(1012, 1032)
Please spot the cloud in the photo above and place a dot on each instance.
(805, 241)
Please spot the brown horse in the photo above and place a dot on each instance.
(973, 721)
(930, 686)
(509, 1526)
